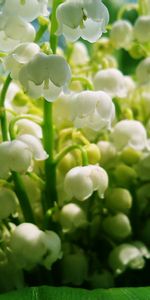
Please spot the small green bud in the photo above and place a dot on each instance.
(130, 156)
(67, 162)
(118, 226)
(125, 175)
(118, 200)
(93, 153)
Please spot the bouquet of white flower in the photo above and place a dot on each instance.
(74, 149)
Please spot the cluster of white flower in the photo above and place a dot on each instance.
(76, 162)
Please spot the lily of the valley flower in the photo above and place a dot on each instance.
(31, 246)
(142, 25)
(28, 9)
(110, 81)
(17, 155)
(82, 18)
(129, 133)
(92, 109)
(8, 202)
(45, 75)
(81, 182)
(143, 72)
(121, 34)
(72, 216)
(13, 31)
(19, 57)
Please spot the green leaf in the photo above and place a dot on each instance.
(64, 293)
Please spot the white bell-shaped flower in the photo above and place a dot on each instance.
(121, 34)
(92, 109)
(14, 156)
(82, 18)
(142, 29)
(19, 57)
(52, 244)
(17, 155)
(34, 145)
(125, 255)
(8, 203)
(53, 77)
(79, 54)
(32, 246)
(110, 81)
(71, 217)
(142, 72)
(81, 182)
(13, 31)
(28, 9)
(129, 133)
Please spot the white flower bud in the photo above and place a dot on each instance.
(108, 152)
(121, 34)
(142, 71)
(13, 31)
(14, 156)
(28, 10)
(20, 56)
(129, 133)
(25, 126)
(124, 256)
(81, 182)
(82, 18)
(94, 110)
(110, 81)
(72, 216)
(8, 203)
(34, 145)
(79, 54)
(32, 246)
(142, 29)
(53, 77)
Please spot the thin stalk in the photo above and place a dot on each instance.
(50, 168)
(68, 149)
(53, 36)
(23, 198)
(3, 118)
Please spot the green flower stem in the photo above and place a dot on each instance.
(53, 36)
(66, 150)
(3, 119)
(85, 81)
(23, 198)
(40, 33)
(50, 168)
(12, 123)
